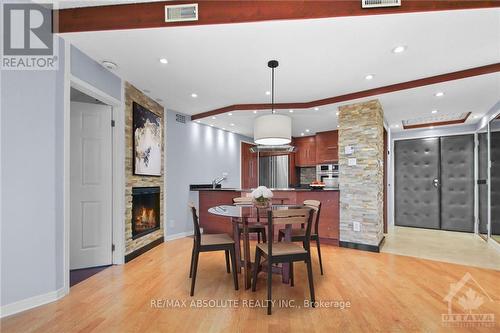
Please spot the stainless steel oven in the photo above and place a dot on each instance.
(327, 171)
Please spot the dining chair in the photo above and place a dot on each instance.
(256, 228)
(285, 252)
(210, 242)
(298, 235)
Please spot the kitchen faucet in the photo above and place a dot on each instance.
(218, 180)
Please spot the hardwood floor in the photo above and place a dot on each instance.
(386, 293)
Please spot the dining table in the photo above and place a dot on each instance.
(243, 215)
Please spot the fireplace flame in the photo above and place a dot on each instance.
(145, 219)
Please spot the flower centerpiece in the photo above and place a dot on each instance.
(262, 197)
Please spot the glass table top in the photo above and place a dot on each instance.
(245, 211)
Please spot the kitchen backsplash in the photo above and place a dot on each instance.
(307, 175)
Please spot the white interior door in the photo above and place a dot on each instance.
(91, 186)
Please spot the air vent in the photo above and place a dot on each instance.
(180, 118)
(180, 13)
(380, 3)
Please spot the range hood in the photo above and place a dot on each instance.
(273, 149)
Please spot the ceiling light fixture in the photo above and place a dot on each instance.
(434, 111)
(476, 116)
(254, 112)
(302, 134)
(194, 95)
(231, 124)
(164, 61)
(229, 114)
(307, 130)
(369, 77)
(439, 94)
(268, 93)
(316, 109)
(109, 64)
(272, 129)
(432, 127)
(291, 111)
(337, 113)
(399, 49)
(214, 118)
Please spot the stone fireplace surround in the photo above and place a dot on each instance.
(139, 245)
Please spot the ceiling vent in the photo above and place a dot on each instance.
(180, 13)
(380, 3)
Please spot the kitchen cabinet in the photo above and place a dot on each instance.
(327, 147)
(249, 167)
(306, 151)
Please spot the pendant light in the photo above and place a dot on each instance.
(272, 129)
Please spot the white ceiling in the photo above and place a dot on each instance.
(227, 64)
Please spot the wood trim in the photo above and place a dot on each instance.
(439, 123)
(151, 14)
(488, 69)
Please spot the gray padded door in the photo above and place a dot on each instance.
(457, 183)
(416, 194)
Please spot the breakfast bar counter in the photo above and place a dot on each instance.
(329, 198)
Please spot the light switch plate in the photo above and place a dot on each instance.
(349, 150)
(356, 226)
(351, 161)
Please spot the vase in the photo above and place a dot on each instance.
(261, 204)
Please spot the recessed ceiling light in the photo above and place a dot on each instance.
(194, 95)
(395, 126)
(291, 111)
(307, 130)
(369, 76)
(439, 94)
(254, 111)
(302, 134)
(399, 49)
(432, 127)
(268, 93)
(223, 128)
(338, 126)
(229, 114)
(434, 111)
(211, 125)
(476, 116)
(316, 109)
(164, 61)
(214, 118)
(337, 113)
(198, 121)
(231, 124)
(109, 64)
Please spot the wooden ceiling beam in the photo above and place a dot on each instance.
(152, 14)
(488, 69)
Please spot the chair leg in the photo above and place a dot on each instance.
(291, 274)
(311, 282)
(255, 271)
(195, 268)
(258, 236)
(269, 284)
(319, 256)
(280, 236)
(227, 261)
(233, 262)
(264, 236)
(191, 266)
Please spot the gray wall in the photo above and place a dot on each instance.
(90, 71)
(196, 154)
(32, 108)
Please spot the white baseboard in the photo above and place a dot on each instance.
(32, 302)
(177, 236)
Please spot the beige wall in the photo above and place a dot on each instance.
(361, 186)
(132, 94)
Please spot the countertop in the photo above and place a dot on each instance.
(272, 189)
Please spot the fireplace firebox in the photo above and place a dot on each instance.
(145, 210)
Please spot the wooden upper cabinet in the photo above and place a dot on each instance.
(249, 167)
(327, 150)
(306, 151)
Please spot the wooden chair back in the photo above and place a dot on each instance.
(242, 200)
(196, 224)
(316, 206)
(290, 216)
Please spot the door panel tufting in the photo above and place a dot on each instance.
(457, 183)
(416, 197)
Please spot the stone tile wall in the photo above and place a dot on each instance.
(132, 94)
(361, 186)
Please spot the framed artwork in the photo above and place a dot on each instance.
(147, 145)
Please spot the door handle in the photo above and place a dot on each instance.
(436, 182)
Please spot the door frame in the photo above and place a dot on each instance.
(118, 163)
